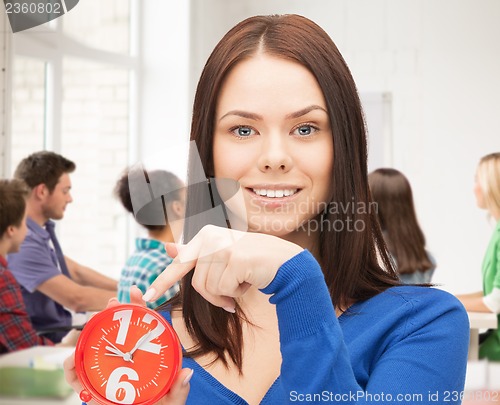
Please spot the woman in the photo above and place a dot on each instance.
(294, 308)
(163, 219)
(487, 192)
(405, 240)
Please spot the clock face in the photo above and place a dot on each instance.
(127, 354)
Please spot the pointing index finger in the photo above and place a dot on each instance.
(172, 273)
(188, 256)
(182, 264)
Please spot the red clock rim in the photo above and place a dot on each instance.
(82, 340)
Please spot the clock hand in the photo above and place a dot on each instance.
(114, 347)
(113, 354)
(119, 353)
(140, 342)
(114, 351)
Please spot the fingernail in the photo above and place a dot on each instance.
(149, 294)
(188, 378)
(232, 310)
(114, 299)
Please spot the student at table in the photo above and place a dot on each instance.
(162, 218)
(50, 281)
(16, 330)
(487, 193)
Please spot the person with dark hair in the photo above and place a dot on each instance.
(487, 193)
(163, 219)
(51, 282)
(302, 302)
(392, 193)
(16, 330)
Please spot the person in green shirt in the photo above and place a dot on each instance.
(163, 219)
(487, 191)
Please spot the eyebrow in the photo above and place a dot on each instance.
(256, 117)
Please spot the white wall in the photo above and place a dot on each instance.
(5, 75)
(164, 96)
(441, 62)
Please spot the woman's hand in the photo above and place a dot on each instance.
(226, 263)
(70, 338)
(178, 392)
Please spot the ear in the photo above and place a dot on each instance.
(9, 232)
(40, 191)
(178, 208)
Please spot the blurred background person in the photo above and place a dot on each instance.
(487, 192)
(16, 330)
(405, 240)
(52, 283)
(163, 219)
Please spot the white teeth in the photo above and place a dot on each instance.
(274, 193)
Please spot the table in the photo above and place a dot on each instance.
(479, 320)
(23, 358)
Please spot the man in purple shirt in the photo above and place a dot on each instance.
(51, 282)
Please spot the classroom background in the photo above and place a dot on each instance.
(111, 84)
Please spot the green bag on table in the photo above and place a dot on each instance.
(29, 382)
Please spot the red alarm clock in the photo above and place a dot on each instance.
(127, 354)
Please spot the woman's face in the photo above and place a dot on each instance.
(273, 136)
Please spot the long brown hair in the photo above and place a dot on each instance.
(348, 257)
(391, 191)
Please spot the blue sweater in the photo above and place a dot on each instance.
(407, 345)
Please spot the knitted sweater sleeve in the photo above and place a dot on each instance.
(426, 354)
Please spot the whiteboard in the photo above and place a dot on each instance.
(378, 115)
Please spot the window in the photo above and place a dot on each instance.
(73, 90)
(28, 107)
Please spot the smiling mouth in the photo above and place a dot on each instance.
(271, 193)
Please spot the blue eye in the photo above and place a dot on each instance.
(244, 132)
(304, 130)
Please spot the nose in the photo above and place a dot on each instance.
(275, 154)
(70, 198)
